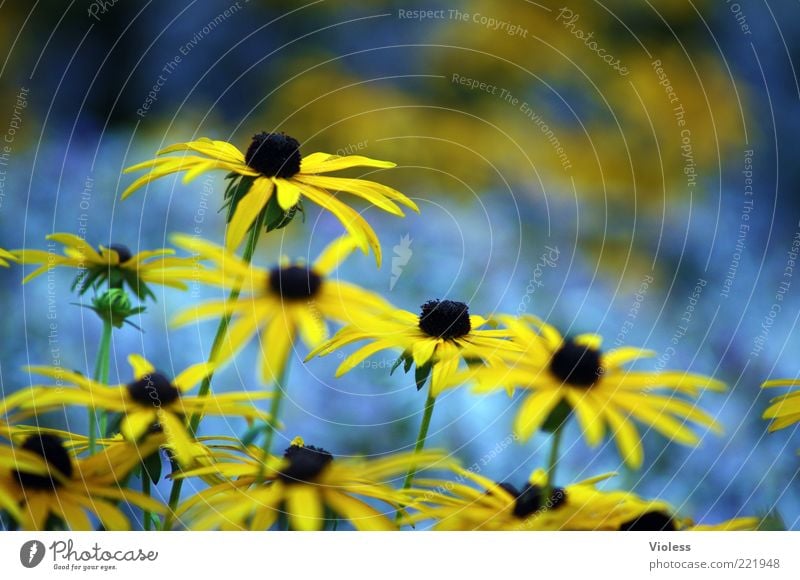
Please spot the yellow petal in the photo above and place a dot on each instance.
(334, 254)
(247, 211)
(288, 193)
(534, 410)
(304, 507)
(141, 366)
(363, 517)
(193, 375)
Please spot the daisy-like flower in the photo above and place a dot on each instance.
(435, 341)
(115, 264)
(660, 518)
(151, 402)
(272, 167)
(281, 303)
(574, 375)
(47, 482)
(784, 410)
(474, 502)
(302, 485)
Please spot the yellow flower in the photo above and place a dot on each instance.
(436, 341)
(303, 484)
(152, 402)
(490, 506)
(280, 303)
(115, 263)
(784, 409)
(573, 374)
(46, 481)
(271, 165)
(486, 505)
(660, 518)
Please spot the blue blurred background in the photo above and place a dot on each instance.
(558, 154)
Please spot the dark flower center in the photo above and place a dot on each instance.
(444, 319)
(122, 251)
(294, 282)
(576, 364)
(305, 463)
(650, 522)
(154, 390)
(529, 500)
(53, 451)
(274, 155)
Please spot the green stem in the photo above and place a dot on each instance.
(552, 460)
(101, 367)
(146, 491)
(421, 437)
(275, 407)
(205, 386)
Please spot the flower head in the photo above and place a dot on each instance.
(575, 375)
(47, 481)
(150, 402)
(115, 263)
(303, 484)
(272, 176)
(289, 300)
(474, 502)
(436, 340)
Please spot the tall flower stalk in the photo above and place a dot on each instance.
(216, 345)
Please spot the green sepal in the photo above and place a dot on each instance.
(276, 218)
(404, 359)
(236, 189)
(151, 467)
(421, 374)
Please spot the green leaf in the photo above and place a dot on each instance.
(557, 417)
(422, 373)
(152, 466)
